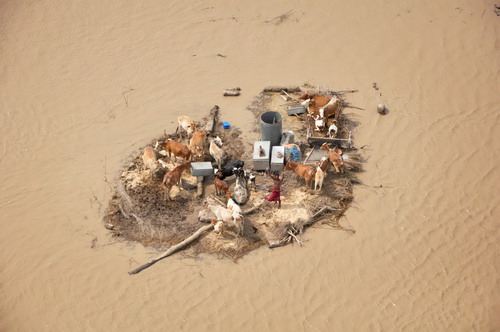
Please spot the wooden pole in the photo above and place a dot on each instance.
(173, 249)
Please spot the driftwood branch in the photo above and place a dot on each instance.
(173, 249)
(295, 237)
(232, 92)
(253, 209)
(289, 89)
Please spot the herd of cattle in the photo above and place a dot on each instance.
(195, 150)
(321, 109)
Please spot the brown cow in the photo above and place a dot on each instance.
(177, 150)
(173, 178)
(304, 171)
(319, 100)
(335, 157)
(330, 109)
(197, 144)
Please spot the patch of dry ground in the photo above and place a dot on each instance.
(139, 212)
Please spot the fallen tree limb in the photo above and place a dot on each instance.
(253, 209)
(212, 121)
(232, 92)
(173, 249)
(289, 89)
(295, 237)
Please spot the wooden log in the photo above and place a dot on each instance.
(213, 119)
(173, 249)
(253, 209)
(289, 89)
(232, 92)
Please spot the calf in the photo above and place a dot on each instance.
(335, 157)
(177, 150)
(216, 151)
(221, 187)
(184, 123)
(197, 144)
(173, 178)
(150, 161)
(318, 177)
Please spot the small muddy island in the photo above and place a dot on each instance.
(208, 188)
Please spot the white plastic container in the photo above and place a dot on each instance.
(277, 158)
(260, 163)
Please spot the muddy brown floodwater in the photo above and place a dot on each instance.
(85, 83)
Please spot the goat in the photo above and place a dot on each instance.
(240, 194)
(184, 123)
(220, 186)
(335, 157)
(231, 204)
(318, 177)
(231, 168)
(333, 129)
(173, 178)
(197, 144)
(251, 183)
(319, 121)
(150, 161)
(216, 151)
(177, 149)
(228, 216)
(304, 171)
(218, 226)
(323, 164)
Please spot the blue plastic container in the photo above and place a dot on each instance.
(225, 125)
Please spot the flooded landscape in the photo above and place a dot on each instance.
(86, 84)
